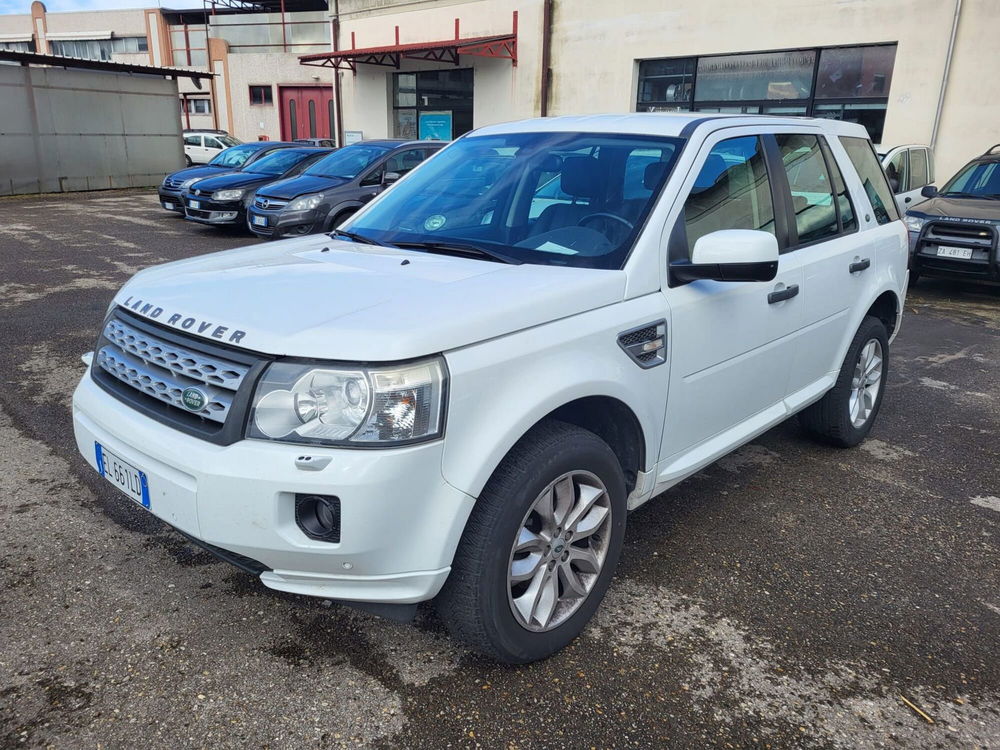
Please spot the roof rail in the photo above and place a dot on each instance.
(991, 149)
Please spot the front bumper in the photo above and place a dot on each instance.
(211, 212)
(283, 223)
(400, 520)
(170, 200)
(980, 242)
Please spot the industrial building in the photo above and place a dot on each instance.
(911, 71)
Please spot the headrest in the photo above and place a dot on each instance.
(580, 176)
(653, 174)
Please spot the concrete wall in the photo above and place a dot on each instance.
(63, 130)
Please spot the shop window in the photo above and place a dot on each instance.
(766, 76)
(855, 72)
(443, 93)
(666, 85)
(261, 95)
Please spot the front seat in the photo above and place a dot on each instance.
(580, 178)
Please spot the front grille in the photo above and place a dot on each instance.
(967, 234)
(269, 204)
(192, 385)
(173, 184)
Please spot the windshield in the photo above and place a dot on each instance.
(278, 162)
(233, 157)
(980, 180)
(574, 199)
(348, 162)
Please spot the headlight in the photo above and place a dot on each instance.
(344, 405)
(188, 183)
(306, 202)
(914, 223)
(227, 195)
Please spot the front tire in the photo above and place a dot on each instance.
(846, 414)
(187, 161)
(540, 548)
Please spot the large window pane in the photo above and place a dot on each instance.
(871, 115)
(872, 177)
(851, 72)
(769, 75)
(732, 191)
(811, 187)
(664, 84)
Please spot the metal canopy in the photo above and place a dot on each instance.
(448, 51)
(34, 58)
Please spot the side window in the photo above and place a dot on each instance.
(192, 140)
(213, 143)
(918, 168)
(848, 219)
(862, 156)
(732, 191)
(898, 172)
(810, 185)
(404, 161)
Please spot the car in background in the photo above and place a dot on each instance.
(201, 146)
(955, 233)
(318, 142)
(227, 161)
(333, 188)
(909, 169)
(222, 200)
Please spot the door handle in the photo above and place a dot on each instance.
(782, 294)
(907, 199)
(859, 265)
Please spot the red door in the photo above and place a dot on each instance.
(306, 112)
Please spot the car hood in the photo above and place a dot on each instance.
(232, 180)
(976, 209)
(328, 299)
(203, 170)
(301, 185)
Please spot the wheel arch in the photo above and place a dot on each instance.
(338, 211)
(886, 308)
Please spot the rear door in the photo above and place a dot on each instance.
(837, 260)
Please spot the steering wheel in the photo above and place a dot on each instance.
(604, 215)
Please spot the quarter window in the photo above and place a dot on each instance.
(810, 185)
(848, 218)
(862, 156)
(732, 191)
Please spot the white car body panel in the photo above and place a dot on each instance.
(519, 343)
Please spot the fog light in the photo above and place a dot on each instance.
(318, 516)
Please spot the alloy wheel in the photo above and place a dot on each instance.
(559, 551)
(866, 382)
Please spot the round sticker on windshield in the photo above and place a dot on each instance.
(435, 222)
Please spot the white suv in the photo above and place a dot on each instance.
(462, 392)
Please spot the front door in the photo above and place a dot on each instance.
(731, 344)
(306, 112)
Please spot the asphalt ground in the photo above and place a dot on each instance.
(791, 595)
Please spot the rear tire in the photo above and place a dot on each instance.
(551, 517)
(845, 415)
(187, 161)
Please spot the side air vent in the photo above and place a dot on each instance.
(646, 345)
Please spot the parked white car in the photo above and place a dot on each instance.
(201, 146)
(909, 169)
(455, 396)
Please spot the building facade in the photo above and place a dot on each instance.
(911, 71)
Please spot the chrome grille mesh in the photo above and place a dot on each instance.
(195, 365)
(164, 370)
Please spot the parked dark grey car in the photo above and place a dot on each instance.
(227, 161)
(222, 200)
(335, 187)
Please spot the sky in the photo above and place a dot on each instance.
(54, 6)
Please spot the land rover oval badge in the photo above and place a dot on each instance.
(194, 399)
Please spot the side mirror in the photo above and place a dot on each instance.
(929, 191)
(390, 177)
(730, 255)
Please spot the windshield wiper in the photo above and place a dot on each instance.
(457, 248)
(355, 237)
(981, 196)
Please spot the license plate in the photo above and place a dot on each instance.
(194, 204)
(122, 475)
(954, 252)
(168, 206)
(260, 221)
